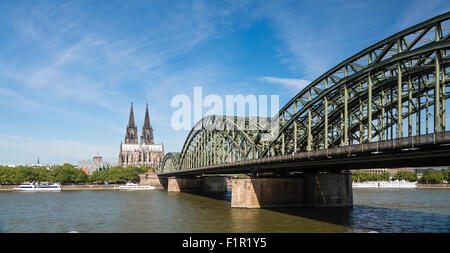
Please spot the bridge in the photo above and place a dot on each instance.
(382, 107)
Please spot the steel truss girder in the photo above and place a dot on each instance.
(363, 96)
(393, 63)
(171, 161)
(222, 139)
(359, 99)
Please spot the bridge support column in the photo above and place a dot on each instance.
(153, 180)
(314, 190)
(214, 184)
(252, 192)
(184, 184)
(329, 190)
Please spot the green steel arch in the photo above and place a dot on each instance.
(392, 89)
(220, 139)
(170, 162)
(372, 95)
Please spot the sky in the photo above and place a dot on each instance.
(70, 69)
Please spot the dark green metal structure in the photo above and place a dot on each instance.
(393, 89)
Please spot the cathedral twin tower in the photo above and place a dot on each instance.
(131, 136)
(144, 153)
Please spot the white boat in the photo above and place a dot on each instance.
(134, 187)
(385, 184)
(38, 188)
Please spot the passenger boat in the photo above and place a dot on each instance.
(134, 187)
(385, 184)
(38, 188)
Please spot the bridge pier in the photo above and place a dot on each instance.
(184, 184)
(314, 190)
(214, 184)
(153, 180)
(329, 190)
(207, 184)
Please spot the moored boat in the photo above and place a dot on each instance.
(385, 184)
(38, 188)
(134, 187)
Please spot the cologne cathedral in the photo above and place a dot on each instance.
(146, 153)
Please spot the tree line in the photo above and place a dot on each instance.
(429, 177)
(68, 174)
(435, 177)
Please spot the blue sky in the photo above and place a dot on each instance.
(69, 69)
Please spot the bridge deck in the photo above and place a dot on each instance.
(425, 150)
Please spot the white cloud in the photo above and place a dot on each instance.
(93, 63)
(316, 36)
(419, 11)
(22, 149)
(16, 99)
(65, 54)
(292, 83)
(307, 50)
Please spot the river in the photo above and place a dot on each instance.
(374, 210)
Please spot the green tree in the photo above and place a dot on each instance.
(67, 173)
(116, 175)
(446, 175)
(406, 175)
(432, 177)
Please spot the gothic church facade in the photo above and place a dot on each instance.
(146, 153)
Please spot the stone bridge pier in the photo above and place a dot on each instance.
(205, 183)
(307, 190)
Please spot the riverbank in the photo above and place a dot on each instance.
(433, 186)
(111, 187)
(68, 187)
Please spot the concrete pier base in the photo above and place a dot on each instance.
(316, 190)
(250, 192)
(329, 190)
(207, 184)
(214, 184)
(184, 184)
(153, 180)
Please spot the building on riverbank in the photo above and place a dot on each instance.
(391, 171)
(96, 164)
(419, 171)
(146, 153)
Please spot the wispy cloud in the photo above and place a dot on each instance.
(67, 54)
(72, 54)
(17, 100)
(419, 11)
(81, 64)
(22, 149)
(317, 35)
(307, 50)
(294, 84)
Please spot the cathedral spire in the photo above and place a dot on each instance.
(131, 136)
(131, 121)
(147, 131)
(147, 119)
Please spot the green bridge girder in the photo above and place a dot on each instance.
(395, 88)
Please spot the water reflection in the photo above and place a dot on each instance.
(432, 217)
(160, 211)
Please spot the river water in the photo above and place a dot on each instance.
(374, 210)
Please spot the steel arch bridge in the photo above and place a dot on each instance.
(221, 139)
(393, 89)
